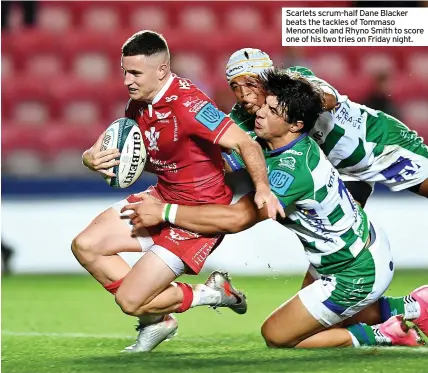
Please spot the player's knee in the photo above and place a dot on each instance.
(275, 338)
(129, 305)
(83, 249)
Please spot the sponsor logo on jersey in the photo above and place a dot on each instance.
(162, 115)
(288, 162)
(280, 181)
(292, 151)
(135, 158)
(403, 169)
(178, 234)
(171, 98)
(175, 128)
(183, 84)
(153, 137)
(163, 166)
(210, 116)
(203, 252)
(194, 105)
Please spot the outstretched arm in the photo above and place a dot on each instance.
(237, 139)
(206, 219)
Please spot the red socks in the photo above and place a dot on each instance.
(185, 288)
(187, 296)
(112, 288)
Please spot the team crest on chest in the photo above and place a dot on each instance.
(162, 115)
(288, 162)
(153, 137)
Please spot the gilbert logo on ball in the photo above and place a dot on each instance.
(125, 135)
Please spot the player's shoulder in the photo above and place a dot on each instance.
(299, 158)
(185, 97)
(302, 71)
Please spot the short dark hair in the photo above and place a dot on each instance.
(146, 43)
(298, 98)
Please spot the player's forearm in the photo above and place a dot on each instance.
(252, 155)
(213, 219)
(209, 219)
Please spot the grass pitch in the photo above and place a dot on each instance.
(65, 324)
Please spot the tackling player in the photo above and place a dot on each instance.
(349, 256)
(365, 145)
(182, 132)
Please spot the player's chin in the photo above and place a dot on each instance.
(135, 95)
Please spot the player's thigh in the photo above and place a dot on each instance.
(336, 297)
(310, 276)
(289, 324)
(107, 234)
(421, 189)
(111, 233)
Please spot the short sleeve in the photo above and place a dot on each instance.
(234, 160)
(202, 118)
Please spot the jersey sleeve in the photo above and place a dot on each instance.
(234, 160)
(289, 184)
(309, 75)
(202, 118)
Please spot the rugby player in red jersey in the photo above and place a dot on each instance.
(182, 132)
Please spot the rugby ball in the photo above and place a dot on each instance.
(125, 135)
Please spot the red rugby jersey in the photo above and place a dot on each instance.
(181, 130)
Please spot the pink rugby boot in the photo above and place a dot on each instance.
(421, 296)
(399, 334)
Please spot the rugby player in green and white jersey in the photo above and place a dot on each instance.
(365, 145)
(349, 256)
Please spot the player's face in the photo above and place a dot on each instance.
(248, 93)
(140, 77)
(270, 122)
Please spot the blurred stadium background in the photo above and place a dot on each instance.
(62, 86)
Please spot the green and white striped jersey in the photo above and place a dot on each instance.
(331, 226)
(350, 135)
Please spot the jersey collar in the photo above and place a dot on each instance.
(286, 147)
(164, 89)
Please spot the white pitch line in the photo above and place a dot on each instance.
(64, 335)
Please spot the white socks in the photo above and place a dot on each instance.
(412, 309)
(205, 296)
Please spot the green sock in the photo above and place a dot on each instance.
(392, 306)
(365, 335)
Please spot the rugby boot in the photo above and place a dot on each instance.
(421, 296)
(397, 333)
(230, 297)
(150, 336)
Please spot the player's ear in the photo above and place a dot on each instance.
(297, 127)
(162, 70)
